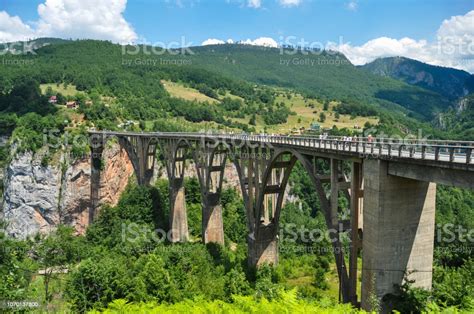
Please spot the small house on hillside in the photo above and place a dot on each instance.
(71, 104)
(53, 100)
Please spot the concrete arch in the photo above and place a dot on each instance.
(210, 177)
(265, 234)
(274, 185)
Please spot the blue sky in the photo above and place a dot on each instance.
(322, 20)
(364, 25)
(314, 20)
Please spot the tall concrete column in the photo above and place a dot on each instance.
(178, 215)
(212, 220)
(263, 246)
(399, 226)
(96, 168)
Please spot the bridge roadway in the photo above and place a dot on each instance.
(390, 186)
(441, 153)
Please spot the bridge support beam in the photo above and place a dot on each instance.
(399, 231)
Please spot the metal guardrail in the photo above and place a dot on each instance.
(459, 152)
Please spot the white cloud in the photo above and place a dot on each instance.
(381, 47)
(352, 5)
(284, 3)
(72, 19)
(212, 41)
(454, 46)
(262, 41)
(12, 28)
(254, 3)
(290, 3)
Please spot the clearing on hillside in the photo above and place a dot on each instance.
(69, 90)
(179, 91)
(308, 112)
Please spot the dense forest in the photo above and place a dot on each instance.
(107, 274)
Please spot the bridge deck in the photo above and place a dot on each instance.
(446, 154)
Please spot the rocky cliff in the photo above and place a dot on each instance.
(37, 198)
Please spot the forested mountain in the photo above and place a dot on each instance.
(93, 64)
(451, 83)
(322, 73)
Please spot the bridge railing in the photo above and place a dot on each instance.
(434, 150)
(450, 151)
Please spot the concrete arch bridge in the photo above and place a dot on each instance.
(390, 186)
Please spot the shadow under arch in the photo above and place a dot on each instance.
(269, 185)
(209, 161)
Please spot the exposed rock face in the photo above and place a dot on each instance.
(30, 197)
(231, 178)
(75, 200)
(37, 199)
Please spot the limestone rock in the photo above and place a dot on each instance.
(37, 198)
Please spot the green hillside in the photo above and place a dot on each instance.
(127, 85)
(323, 74)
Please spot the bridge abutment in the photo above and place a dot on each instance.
(399, 226)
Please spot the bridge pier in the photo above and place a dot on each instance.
(178, 214)
(210, 167)
(212, 220)
(263, 247)
(97, 150)
(399, 226)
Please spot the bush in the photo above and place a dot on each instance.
(95, 283)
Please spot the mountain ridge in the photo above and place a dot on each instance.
(449, 82)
